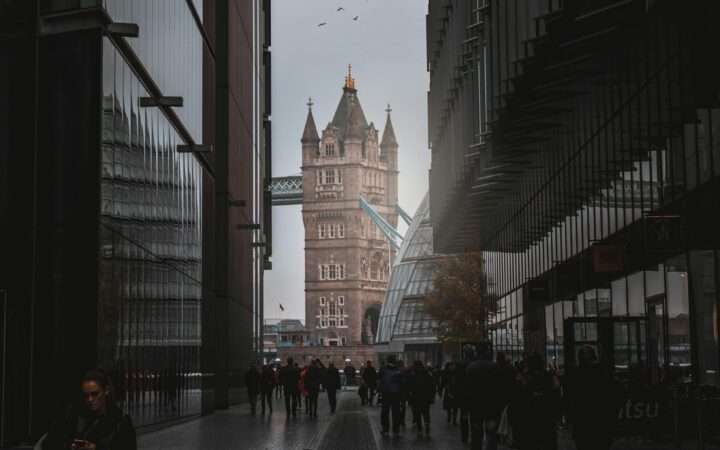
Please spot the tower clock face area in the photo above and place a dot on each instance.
(347, 258)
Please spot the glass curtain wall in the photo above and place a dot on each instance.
(151, 227)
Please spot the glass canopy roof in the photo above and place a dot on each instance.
(402, 315)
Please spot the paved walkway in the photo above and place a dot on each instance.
(353, 427)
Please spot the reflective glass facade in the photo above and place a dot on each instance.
(126, 251)
(578, 150)
(170, 47)
(151, 261)
(402, 316)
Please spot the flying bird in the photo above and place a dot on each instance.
(341, 9)
(356, 18)
(282, 308)
(322, 24)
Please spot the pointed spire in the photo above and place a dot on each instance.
(349, 80)
(310, 134)
(388, 139)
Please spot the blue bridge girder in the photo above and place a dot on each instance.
(287, 190)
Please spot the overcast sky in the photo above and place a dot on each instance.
(386, 47)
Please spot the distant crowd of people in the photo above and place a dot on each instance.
(524, 403)
(297, 385)
(489, 400)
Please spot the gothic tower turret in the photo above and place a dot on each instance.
(347, 259)
(310, 139)
(389, 153)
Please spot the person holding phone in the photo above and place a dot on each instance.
(95, 423)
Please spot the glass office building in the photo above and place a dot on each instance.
(577, 145)
(405, 328)
(134, 210)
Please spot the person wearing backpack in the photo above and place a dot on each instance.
(391, 380)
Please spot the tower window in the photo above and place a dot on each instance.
(341, 230)
(330, 176)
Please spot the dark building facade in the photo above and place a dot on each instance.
(133, 204)
(576, 143)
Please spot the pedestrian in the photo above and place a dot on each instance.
(299, 390)
(95, 423)
(404, 392)
(267, 384)
(536, 407)
(422, 390)
(289, 379)
(278, 385)
(391, 380)
(303, 390)
(370, 378)
(592, 403)
(252, 384)
(449, 393)
(489, 393)
(363, 392)
(350, 373)
(463, 386)
(312, 386)
(331, 383)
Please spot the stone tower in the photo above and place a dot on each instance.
(347, 258)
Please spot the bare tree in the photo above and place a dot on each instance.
(460, 301)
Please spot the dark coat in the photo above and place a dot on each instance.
(289, 378)
(370, 377)
(592, 405)
(391, 380)
(421, 387)
(313, 378)
(331, 379)
(535, 411)
(267, 380)
(489, 388)
(113, 431)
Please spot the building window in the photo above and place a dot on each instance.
(330, 176)
(322, 301)
(329, 149)
(322, 341)
(341, 300)
(343, 340)
(332, 272)
(342, 321)
(331, 231)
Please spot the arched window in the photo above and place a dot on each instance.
(376, 267)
